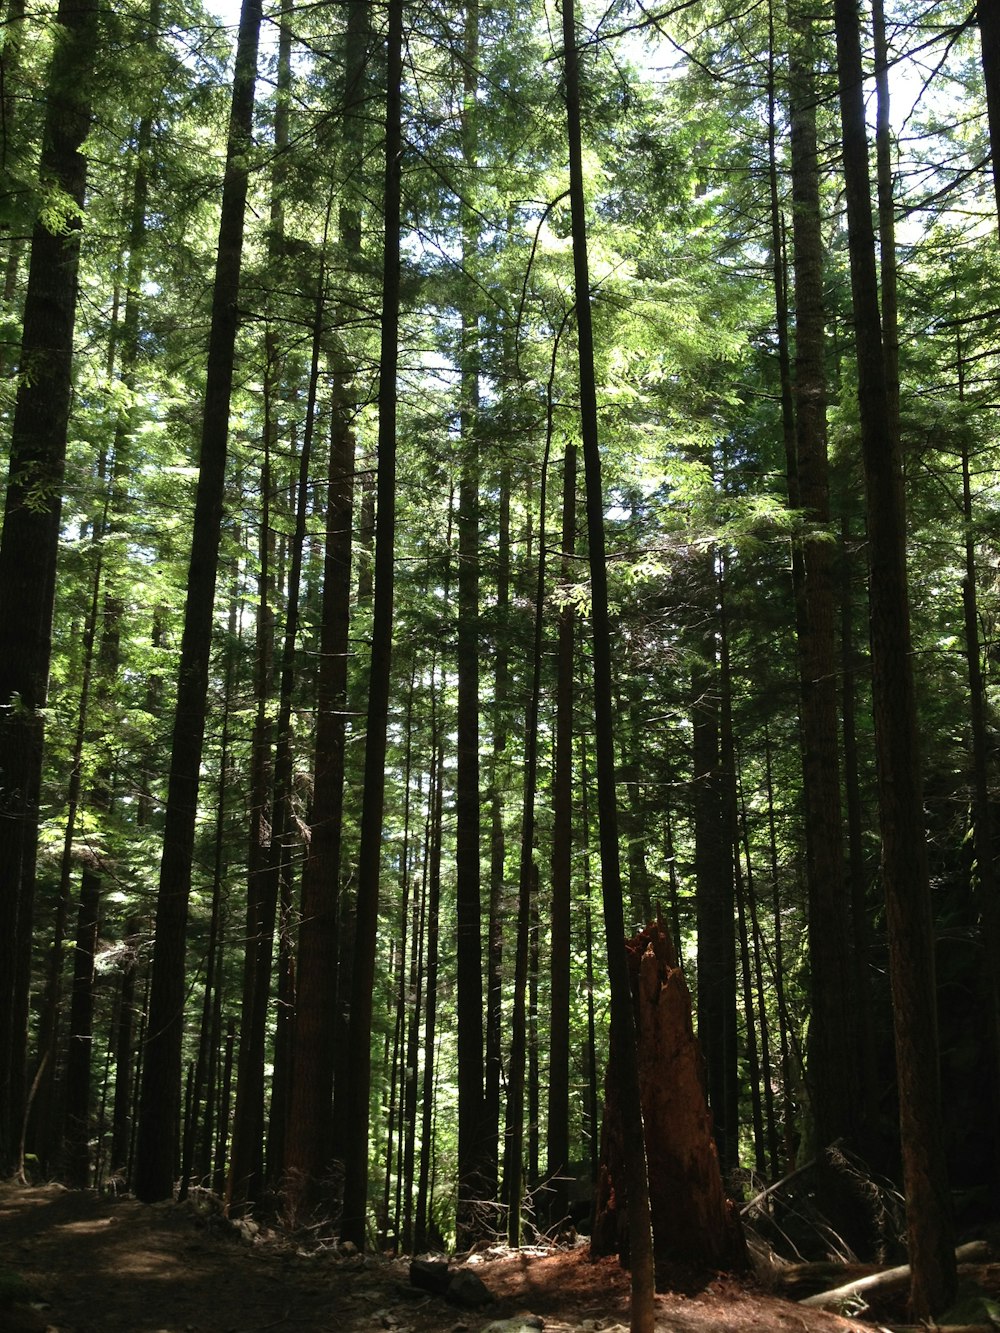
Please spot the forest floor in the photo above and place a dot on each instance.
(72, 1262)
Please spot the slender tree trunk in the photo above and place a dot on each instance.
(411, 1071)
(369, 855)
(308, 1156)
(30, 536)
(727, 747)
(838, 1108)
(225, 1101)
(514, 1155)
(778, 967)
(283, 838)
(473, 1183)
(988, 13)
(422, 1223)
(208, 1006)
(121, 1114)
(930, 1227)
(622, 1021)
(494, 966)
(715, 908)
(311, 1144)
(557, 1136)
(982, 813)
(81, 1035)
(159, 1117)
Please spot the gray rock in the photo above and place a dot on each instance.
(468, 1291)
(529, 1323)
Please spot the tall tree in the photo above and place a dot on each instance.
(988, 13)
(930, 1227)
(622, 1020)
(838, 1107)
(562, 845)
(379, 681)
(473, 1179)
(30, 537)
(159, 1109)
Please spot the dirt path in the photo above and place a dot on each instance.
(98, 1265)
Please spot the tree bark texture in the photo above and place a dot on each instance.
(30, 537)
(988, 13)
(373, 796)
(837, 1106)
(693, 1222)
(623, 1033)
(904, 860)
(473, 1183)
(160, 1111)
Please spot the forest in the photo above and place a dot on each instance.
(481, 479)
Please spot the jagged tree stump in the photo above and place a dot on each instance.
(693, 1222)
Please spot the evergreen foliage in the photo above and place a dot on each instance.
(699, 302)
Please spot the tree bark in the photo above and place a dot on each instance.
(373, 795)
(159, 1113)
(904, 863)
(988, 13)
(839, 1110)
(622, 1022)
(30, 536)
(692, 1220)
(714, 880)
(557, 1136)
(473, 1183)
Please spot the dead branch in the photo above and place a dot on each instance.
(975, 1252)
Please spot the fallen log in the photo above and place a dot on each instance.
(937, 1328)
(976, 1251)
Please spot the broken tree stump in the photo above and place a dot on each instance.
(693, 1222)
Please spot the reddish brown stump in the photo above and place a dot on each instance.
(693, 1222)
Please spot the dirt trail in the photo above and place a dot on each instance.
(100, 1265)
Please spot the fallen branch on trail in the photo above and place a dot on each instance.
(976, 1251)
(937, 1328)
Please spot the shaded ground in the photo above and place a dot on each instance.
(75, 1263)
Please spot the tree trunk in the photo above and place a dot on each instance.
(557, 1136)
(622, 1022)
(692, 1220)
(988, 13)
(81, 1035)
(424, 1218)
(373, 796)
(473, 1183)
(714, 881)
(514, 1156)
(840, 1110)
(30, 537)
(159, 1115)
(904, 862)
(307, 1150)
(494, 965)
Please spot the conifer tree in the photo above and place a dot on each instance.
(30, 536)
(160, 1100)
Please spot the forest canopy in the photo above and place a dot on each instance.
(303, 835)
